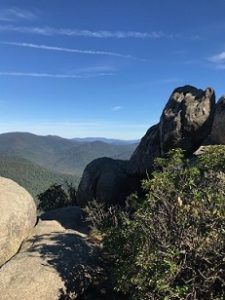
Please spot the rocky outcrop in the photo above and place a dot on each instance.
(217, 135)
(17, 217)
(54, 263)
(105, 180)
(185, 122)
(143, 157)
(187, 119)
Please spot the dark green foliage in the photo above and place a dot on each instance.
(32, 177)
(173, 246)
(71, 192)
(57, 196)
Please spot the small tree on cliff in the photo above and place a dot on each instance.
(57, 196)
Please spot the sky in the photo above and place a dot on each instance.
(105, 68)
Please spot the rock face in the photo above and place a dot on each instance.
(17, 217)
(54, 263)
(105, 180)
(187, 119)
(185, 122)
(149, 148)
(218, 129)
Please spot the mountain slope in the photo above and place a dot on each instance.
(39, 149)
(32, 177)
(76, 158)
(59, 154)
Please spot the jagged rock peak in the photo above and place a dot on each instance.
(187, 118)
(186, 121)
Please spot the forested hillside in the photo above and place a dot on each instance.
(31, 176)
(59, 154)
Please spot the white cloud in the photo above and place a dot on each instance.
(50, 31)
(15, 14)
(57, 76)
(117, 108)
(101, 34)
(218, 58)
(70, 50)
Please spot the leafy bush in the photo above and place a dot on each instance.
(173, 246)
(57, 196)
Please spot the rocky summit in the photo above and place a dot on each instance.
(186, 121)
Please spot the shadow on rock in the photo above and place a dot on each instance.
(75, 261)
(70, 217)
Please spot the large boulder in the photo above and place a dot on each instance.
(187, 119)
(54, 263)
(217, 135)
(17, 217)
(104, 180)
(185, 123)
(143, 157)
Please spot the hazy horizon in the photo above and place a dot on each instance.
(72, 137)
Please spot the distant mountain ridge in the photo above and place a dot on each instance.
(68, 156)
(106, 140)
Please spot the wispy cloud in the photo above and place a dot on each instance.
(218, 58)
(100, 34)
(116, 108)
(56, 76)
(15, 14)
(70, 50)
(51, 31)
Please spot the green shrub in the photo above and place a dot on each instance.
(173, 246)
(57, 196)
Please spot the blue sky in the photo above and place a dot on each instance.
(78, 68)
